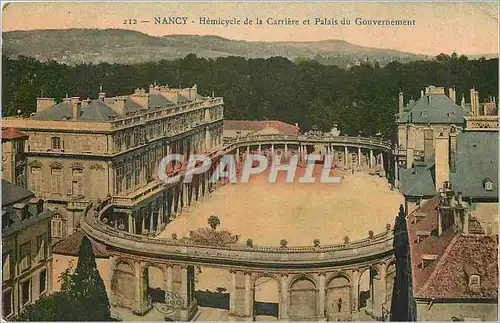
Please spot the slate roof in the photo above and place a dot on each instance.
(433, 108)
(12, 133)
(97, 110)
(12, 193)
(419, 180)
(70, 246)
(457, 257)
(157, 100)
(254, 126)
(477, 160)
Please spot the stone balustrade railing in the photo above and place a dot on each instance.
(340, 140)
(368, 248)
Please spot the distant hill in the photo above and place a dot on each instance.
(74, 46)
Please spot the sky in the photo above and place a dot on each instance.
(467, 28)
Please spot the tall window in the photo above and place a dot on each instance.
(36, 179)
(77, 182)
(128, 175)
(26, 292)
(56, 180)
(119, 178)
(57, 226)
(56, 143)
(42, 247)
(7, 303)
(6, 267)
(137, 171)
(43, 281)
(25, 262)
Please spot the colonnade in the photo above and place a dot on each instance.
(316, 295)
(343, 156)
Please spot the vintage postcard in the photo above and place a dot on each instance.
(250, 161)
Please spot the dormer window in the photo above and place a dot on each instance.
(474, 283)
(423, 114)
(488, 184)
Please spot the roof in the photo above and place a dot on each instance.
(465, 255)
(419, 180)
(477, 161)
(446, 277)
(96, 110)
(18, 224)
(433, 108)
(254, 126)
(70, 246)
(12, 193)
(12, 133)
(157, 100)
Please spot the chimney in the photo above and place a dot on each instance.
(442, 163)
(453, 95)
(421, 93)
(117, 104)
(76, 105)
(401, 102)
(102, 95)
(140, 97)
(44, 103)
(192, 93)
(85, 103)
(462, 102)
(474, 102)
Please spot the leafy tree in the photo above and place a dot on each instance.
(213, 221)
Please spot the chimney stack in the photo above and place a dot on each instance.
(44, 103)
(462, 103)
(76, 105)
(102, 95)
(401, 102)
(85, 103)
(474, 102)
(453, 95)
(421, 93)
(442, 163)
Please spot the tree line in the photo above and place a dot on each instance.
(360, 100)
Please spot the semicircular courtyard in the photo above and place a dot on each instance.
(268, 212)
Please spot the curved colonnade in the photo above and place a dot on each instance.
(314, 282)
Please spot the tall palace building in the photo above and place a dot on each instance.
(82, 150)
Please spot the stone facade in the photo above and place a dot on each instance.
(26, 252)
(88, 155)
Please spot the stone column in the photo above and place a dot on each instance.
(130, 222)
(141, 306)
(286, 151)
(184, 285)
(359, 156)
(379, 290)
(260, 149)
(371, 158)
(232, 294)
(354, 294)
(168, 278)
(272, 149)
(143, 224)
(283, 304)
(248, 295)
(346, 153)
(238, 155)
(160, 214)
(321, 298)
